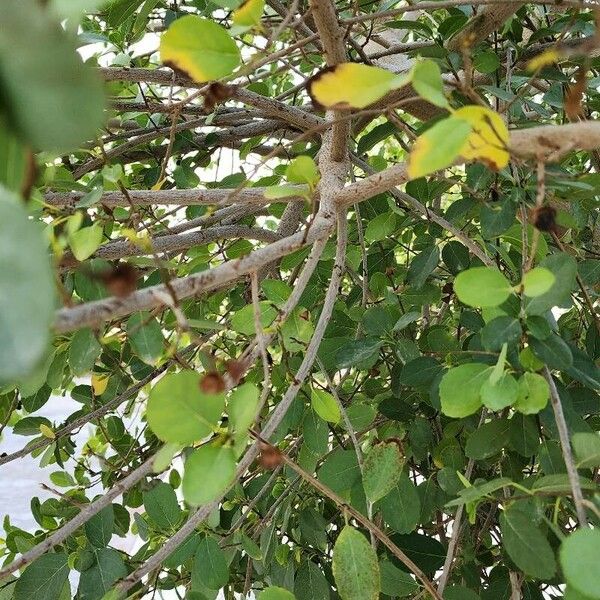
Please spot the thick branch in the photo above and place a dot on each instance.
(93, 314)
(217, 197)
(332, 38)
(178, 242)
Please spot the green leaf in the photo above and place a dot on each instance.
(489, 439)
(145, 336)
(500, 394)
(243, 320)
(162, 506)
(303, 169)
(381, 226)
(401, 508)
(438, 147)
(209, 471)
(496, 218)
(250, 547)
(54, 101)
(482, 287)
(249, 13)
(97, 581)
(84, 242)
(381, 470)
(339, 471)
(499, 331)
(426, 80)
(475, 492)
(355, 352)
(553, 351)
(537, 282)
(422, 266)
(534, 394)
(394, 582)
(584, 369)
(179, 412)
(526, 545)
(564, 269)
(325, 405)
(13, 159)
(524, 435)
(276, 593)
(587, 450)
(99, 528)
(425, 551)
(355, 566)
(210, 565)
(202, 49)
(310, 583)
(420, 372)
(276, 192)
(43, 579)
(460, 389)
(579, 561)
(242, 407)
(27, 312)
(83, 351)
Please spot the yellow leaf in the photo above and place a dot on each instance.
(199, 48)
(249, 13)
(352, 85)
(47, 432)
(488, 141)
(158, 185)
(141, 240)
(544, 59)
(99, 383)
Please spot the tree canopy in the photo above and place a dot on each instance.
(320, 281)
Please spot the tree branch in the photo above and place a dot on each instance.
(565, 444)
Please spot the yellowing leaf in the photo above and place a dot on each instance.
(352, 85)
(249, 13)
(141, 240)
(201, 49)
(158, 185)
(547, 57)
(488, 141)
(438, 147)
(99, 383)
(47, 432)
